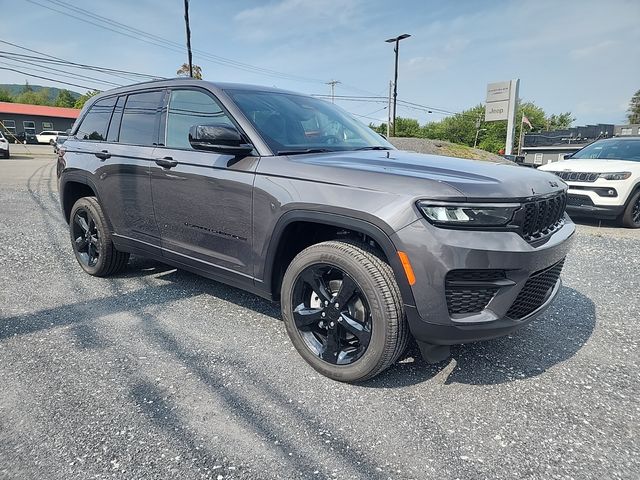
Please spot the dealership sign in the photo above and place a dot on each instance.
(501, 104)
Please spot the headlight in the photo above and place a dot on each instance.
(615, 176)
(468, 214)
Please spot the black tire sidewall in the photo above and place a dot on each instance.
(627, 219)
(94, 209)
(371, 358)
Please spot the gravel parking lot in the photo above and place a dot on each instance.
(158, 373)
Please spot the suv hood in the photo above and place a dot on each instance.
(591, 165)
(430, 176)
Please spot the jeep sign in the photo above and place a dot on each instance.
(496, 111)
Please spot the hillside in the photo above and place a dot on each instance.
(15, 89)
(441, 147)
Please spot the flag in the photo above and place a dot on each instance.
(526, 120)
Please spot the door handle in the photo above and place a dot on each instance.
(166, 162)
(103, 154)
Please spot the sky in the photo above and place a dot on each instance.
(579, 56)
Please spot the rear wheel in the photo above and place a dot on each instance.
(631, 216)
(91, 240)
(342, 310)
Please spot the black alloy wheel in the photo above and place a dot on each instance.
(332, 314)
(630, 218)
(86, 237)
(91, 239)
(343, 310)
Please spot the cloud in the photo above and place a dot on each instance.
(288, 18)
(592, 50)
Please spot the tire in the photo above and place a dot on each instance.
(101, 258)
(375, 307)
(631, 216)
(52, 142)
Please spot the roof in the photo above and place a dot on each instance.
(215, 87)
(38, 110)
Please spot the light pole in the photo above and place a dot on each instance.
(396, 40)
(478, 133)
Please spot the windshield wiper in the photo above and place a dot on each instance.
(375, 147)
(306, 150)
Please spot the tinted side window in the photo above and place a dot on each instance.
(95, 123)
(188, 108)
(114, 126)
(139, 118)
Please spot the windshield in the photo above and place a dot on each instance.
(292, 123)
(613, 149)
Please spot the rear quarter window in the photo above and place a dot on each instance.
(96, 122)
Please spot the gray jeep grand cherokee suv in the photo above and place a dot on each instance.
(290, 198)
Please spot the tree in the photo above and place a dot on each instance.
(633, 113)
(64, 99)
(27, 87)
(561, 121)
(461, 127)
(5, 95)
(407, 127)
(183, 71)
(82, 99)
(29, 96)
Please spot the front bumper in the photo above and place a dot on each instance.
(583, 205)
(434, 252)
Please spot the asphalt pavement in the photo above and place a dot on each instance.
(161, 374)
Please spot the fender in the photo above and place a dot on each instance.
(377, 233)
(78, 176)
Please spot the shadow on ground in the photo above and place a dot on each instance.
(549, 340)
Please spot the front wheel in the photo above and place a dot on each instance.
(342, 310)
(91, 240)
(631, 216)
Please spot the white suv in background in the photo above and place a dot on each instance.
(48, 136)
(4, 146)
(604, 180)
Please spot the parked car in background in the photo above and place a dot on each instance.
(60, 139)
(289, 197)
(604, 180)
(25, 138)
(48, 136)
(4, 146)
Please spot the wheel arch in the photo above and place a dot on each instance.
(334, 225)
(74, 187)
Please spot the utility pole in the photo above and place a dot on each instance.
(332, 84)
(186, 21)
(390, 104)
(396, 40)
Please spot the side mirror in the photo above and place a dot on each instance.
(220, 138)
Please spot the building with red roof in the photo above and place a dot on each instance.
(22, 121)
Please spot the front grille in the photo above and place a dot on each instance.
(543, 217)
(469, 291)
(535, 292)
(578, 176)
(579, 201)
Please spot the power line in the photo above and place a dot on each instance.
(156, 40)
(46, 78)
(56, 60)
(29, 70)
(52, 69)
